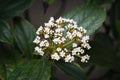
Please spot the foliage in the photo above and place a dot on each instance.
(17, 58)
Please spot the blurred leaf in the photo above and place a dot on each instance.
(8, 57)
(115, 18)
(53, 78)
(102, 52)
(24, 33)
(117, 27)
(5, 32)
(78, 61)
(7, 54)
(2, 72)
(46, 4)
(99, 2)
(72, 70)
(49, 1)
(32, 70)
(88, 16)
(11, 8)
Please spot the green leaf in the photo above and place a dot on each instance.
(24, 33)
(78, 61)
(6, 54)
(53, 78)
(9, 58)
(5, 32)
(2, 71)
(99, 2)
(11, 8)
(32, 70)
(102, 52)
(72, 70)
(88, 16)
(115, 19)
(49, 1)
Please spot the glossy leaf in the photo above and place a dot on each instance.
(102, 52)
(72, 70)
(5, 32)
(32, 70)
(24, 33)
(88, 16)
(11, 8)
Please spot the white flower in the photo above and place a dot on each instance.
(74, 52)
(61, 38)
(44, 43)
(46, 35)
(69, 35)
(51, 31)
(74, 45)
(51, 19)
(65, 50)
(74, 33)
(58, 30)
(79, 34)
(72, 59)
(55, 56)
(77, 50)
(58, 40)
(82, 51)
(37, 40)
(39, 30)
(58, 21)
(85, 58)
(39, 50)
(86, 45)
(62, 53)
(69, 58)
(82, 29)
(58, 34)
(47, 30)
(85, 39)
(58, 49)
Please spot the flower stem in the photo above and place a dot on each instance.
(68, 43)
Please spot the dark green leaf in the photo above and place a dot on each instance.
(78, 61)
(115, 18)
(72, 70)
(24, 33)
(7, 54)
(53, 78)
(99, 2)
(5, 32)
(8, 57)
(32, 70)
(2, 71)
(11, 8)
(102, 52)
(49, 1)
(88, 16)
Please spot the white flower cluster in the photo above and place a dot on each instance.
(62, 39)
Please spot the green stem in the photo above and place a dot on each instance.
(68, 43)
